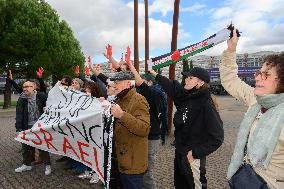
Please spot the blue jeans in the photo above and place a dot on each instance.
(131, 181)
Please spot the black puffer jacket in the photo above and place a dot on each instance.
(22, 110)
(198, 126)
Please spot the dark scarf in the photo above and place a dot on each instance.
(122, 93)
(192, 94)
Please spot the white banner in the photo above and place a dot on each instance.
(73, 125)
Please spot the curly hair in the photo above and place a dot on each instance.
(277, 61)
(95, 89)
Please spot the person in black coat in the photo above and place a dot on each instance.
(198, 126)
(30, 106)
(40, 86)
(154, 97)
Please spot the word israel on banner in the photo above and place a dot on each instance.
(74, 125)
(182, 54)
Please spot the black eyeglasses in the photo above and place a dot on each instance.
(263, 75)
(27, 86)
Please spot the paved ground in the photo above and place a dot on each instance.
(232, 112)
(13, 97)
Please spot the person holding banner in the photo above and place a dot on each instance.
(198, 126)
(66, 81)
(93, 89)
(77, 84)
(259, 148)
(30, 106)
(131, 130)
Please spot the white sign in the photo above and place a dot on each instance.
(72, 125)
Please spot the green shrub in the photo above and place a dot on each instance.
(13, 103)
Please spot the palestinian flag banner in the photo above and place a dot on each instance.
(182, 54)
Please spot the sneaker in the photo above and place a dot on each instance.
(95, 178)
(23, 168)
(47, 170)
(85, 175)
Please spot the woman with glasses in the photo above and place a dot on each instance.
(260, 140)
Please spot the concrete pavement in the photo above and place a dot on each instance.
(231, 112)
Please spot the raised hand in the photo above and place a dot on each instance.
(39, 72)
(96, 69)
(127, 55)
(113, 62)
(108, 51)
(87, 71)
(138, 79)
(89, 59)
(91, 66)
(77, 70)
(233, 42)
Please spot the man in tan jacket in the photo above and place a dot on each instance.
(131, 131)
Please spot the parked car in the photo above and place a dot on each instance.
(2, 84)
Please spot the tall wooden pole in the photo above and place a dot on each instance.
(136, 48)
(172, 67)
(146, 35)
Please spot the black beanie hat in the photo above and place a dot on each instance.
(200, 73)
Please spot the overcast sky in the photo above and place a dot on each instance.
(98, 22)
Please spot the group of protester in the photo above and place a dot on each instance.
(140, 112)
